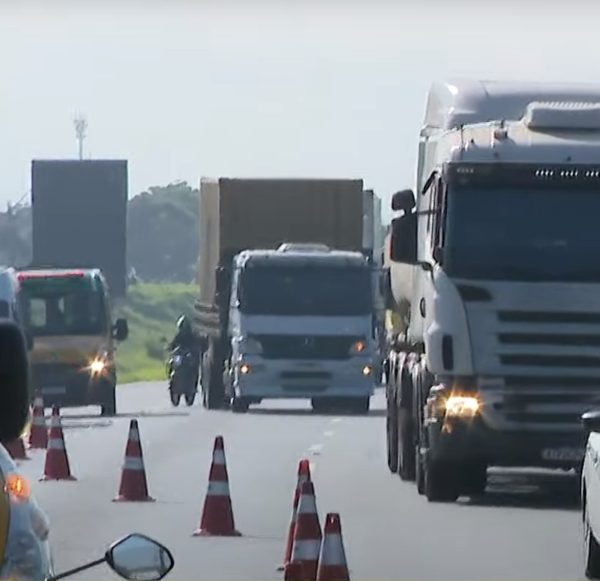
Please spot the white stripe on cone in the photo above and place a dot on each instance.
(333, 550)
(219, 457)
(307, 504)
(56, 444)
(216, 488)
(133, 463)
(306, 550)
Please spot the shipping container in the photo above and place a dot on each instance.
(80, 217)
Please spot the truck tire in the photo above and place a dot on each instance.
(440, 481)
(109, 405)
(391, 418)
(419, 472)
(474, 478)
(239, 405)
(405, 446)
(213, 391)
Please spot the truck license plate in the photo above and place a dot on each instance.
(563, 454)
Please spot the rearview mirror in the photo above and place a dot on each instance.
(403, 243)
(139, 558)
(121, 330)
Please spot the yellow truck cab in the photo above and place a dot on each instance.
(68, 313)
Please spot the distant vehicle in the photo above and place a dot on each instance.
(68, 312)
(297, 221)
(301, 326)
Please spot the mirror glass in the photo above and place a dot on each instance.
(140, 558)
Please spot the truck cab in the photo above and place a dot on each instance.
(500, 355)
(301, 326)
(68, 312)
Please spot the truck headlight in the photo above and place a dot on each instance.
(460, 406)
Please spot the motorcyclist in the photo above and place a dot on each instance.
(186, 340)
(24, 529)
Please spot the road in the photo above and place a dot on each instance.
(525, 528)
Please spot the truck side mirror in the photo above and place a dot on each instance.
(121, 330)
(403, 243)
(403, 200)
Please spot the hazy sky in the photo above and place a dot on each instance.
(245, 89)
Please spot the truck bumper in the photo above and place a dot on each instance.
(69, 387)
(299, 379)
(464, 441)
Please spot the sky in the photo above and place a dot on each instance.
(287, 88)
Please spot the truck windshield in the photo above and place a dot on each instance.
(63, 306)
(523, 234)
(306, 290)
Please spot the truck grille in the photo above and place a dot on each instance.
(306, 346)
(543, 360)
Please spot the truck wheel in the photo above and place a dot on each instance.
(109, 406)
(474, 479)
(419, 472)
(391, 418)
(406, 448)
(440, 482)
(592, 551)
(213, 393)
(239, 405)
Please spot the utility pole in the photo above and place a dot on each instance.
(80, 128)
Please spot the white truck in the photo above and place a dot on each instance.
(301, 326)
(499, 242)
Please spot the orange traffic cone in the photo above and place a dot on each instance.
(38, 435)
(307, 536)
(57, 461)
(16, 449)
(303, 476)
(217, 515)
(332, 564)
(134, 486)
(294, 572)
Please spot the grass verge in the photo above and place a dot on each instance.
(151, 311)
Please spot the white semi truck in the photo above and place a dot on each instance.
(496, 255)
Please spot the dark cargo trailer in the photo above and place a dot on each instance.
(80, 217)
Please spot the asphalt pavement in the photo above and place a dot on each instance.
(526, 528)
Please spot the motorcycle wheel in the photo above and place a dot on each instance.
(175, 398)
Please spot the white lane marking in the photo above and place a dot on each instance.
(315, 449)
(336, 420)
(328, 433)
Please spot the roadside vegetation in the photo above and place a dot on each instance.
(151, 310)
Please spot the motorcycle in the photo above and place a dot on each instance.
(181, 370)
(134, 557)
